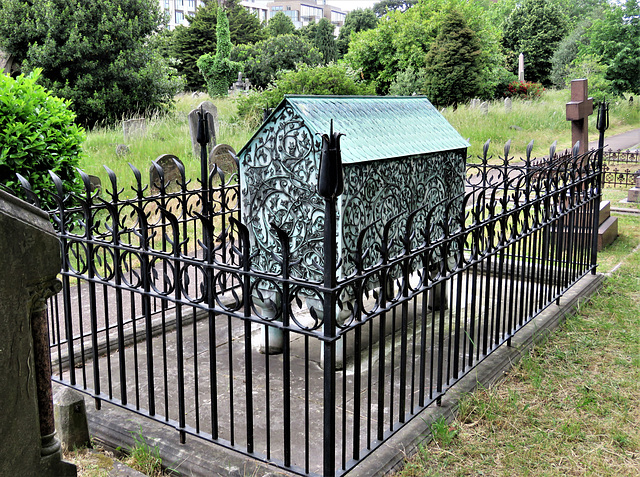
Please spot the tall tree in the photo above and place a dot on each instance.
(191, 42)
(261, 61)
(534, 28)
(385, 6)
(321, 36)
(280, 24)
(97, 54)
(218, 71)
(615, 40)
(453, 71)
(356, 20)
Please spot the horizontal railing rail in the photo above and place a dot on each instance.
(163, 312)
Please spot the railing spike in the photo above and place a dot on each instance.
(552, 150)
(529, 150)
(507, 148)
(485, 149)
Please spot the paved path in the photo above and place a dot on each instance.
(624, 141)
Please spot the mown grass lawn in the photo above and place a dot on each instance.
(572, 407)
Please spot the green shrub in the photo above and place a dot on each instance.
(333, 79)
(37, 134)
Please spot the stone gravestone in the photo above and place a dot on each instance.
(521, 67)
(507, 105)
(134, 128)
(223, 156)
(30, 262)
(207, 107)
(96, 184)
(578, 111)
(172, 176)
(484, 108)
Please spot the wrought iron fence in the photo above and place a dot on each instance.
(162, 312)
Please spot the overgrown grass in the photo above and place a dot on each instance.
(572, 407)
(543, 121)
(166, 134)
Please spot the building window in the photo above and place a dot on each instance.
(337, 17)
(293, 14)
(277, 8)
(192, 3)
(309, 13)
(179, 17)
(179, 3)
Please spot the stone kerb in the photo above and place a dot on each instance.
(30, 262)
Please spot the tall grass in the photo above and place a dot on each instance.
(166, 134)
(542, 120)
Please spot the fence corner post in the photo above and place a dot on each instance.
(330, 186)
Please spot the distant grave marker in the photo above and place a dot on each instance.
(172, 176)
(213, 124)
(133, 128)
(223, 156)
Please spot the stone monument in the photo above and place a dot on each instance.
(213, 124)
(30, 262)
(578, 111)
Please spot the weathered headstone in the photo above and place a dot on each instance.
(170, 170)
(484, 108)
(133, 128)
(212, 122)
(96, 184)
(122, 150)
(507, 105)
(30, 262)
(578, 111)
(223, 156)
(521, 67)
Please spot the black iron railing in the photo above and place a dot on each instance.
(163, 314)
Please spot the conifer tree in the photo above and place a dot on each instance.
(453, 72)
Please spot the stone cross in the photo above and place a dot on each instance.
(578, 111)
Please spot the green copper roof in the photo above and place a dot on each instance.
(378, 127)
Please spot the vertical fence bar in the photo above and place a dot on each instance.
(330, 186)
(602, 124)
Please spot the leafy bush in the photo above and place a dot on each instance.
(331, 79)
(219, 72)
(524, 90)
(37, 134)
(263, 60)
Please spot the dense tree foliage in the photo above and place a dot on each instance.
(331, 79)
(218, 71)
(321, 36)
(535, 28)
(614, 41)
(37, 134)
(199, 38)
(280, 24)
(261, 61)
(96, 54)
(385, 6)
(357, 20)
(401, 41)
(453, 70)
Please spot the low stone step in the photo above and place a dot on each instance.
(607, 232)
